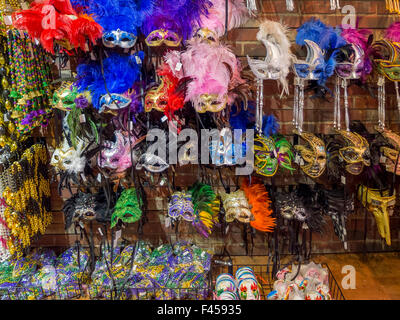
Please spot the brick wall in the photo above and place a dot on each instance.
(318, 116)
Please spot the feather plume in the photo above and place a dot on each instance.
(260, 202)
(393, 32)
(206, 208)
(215, 20)
(179, 17)
(82, 28)
(270, 125)
(120, 73)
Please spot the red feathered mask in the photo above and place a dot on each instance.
(52, 20)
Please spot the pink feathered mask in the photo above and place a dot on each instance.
(215, 20)
(214, 70)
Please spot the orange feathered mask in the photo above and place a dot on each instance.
(260, 202)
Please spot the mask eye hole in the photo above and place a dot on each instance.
(56, 157)
(67, 161)
(321, 158)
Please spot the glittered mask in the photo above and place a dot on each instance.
(116, 155)
(67, 158)
(64, 97)
(236, 207)
(128, 208)
(313, 154)
(206, 35)
(163, 37)
(81, 206)
(389, 62)
(381, 205)
(265, 156)
(392, 161)
(313, 66)
(181, 205)
(152, 163)
(119, 38)
(353, 67)
(356, 154)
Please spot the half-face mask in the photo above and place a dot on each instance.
(351, 66)
(68, 158)
(381, 204)
(166, 97)
(290, 206)
(392, 162)
(389, 62)
(152, 163)
(356, 154)
(313, 67)
(128, 208)
(116, 155)
(206, 35)
(181, 205)
(313, 154)
(236, 207)
(64, 97)
(170, 24)
(81, 206)
(210, 86)
(277, 62)
(119, 38)
(111, 86)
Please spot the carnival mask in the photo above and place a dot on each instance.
(81, 206)
(116, 155)
(314, 155)
(266, 157)
(67, 158)
(157, 98)
(313, 66)
(236, 207)
(249, 290)
(206, 35)
(392, 162)
(161, 37)
(290, 206)
(119, 38)
(389, 62)
(223, 151)
(64, 97)
(152, 163)
(356, 154)
(381, 205)
(113, 102)
(181, 205)
(128, 208)
(353, 67)
(210, 102)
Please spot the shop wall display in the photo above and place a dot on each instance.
(84, 82)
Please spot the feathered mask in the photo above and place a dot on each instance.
(213, 23)
(120, 19)
(56, 20)
(171, 22)
(278, 59)
(353, 60)
(214, 71)
(322, 43)
(110, 87)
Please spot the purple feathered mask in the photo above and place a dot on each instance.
(172, 22)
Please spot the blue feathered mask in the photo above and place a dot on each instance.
(120, 19)
(120, 74)
(174, 21)
(322, 44)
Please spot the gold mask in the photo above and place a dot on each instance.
(236, 207)
(210, 102)
(206, 35)
(314, 155)
(157, 98)
(380, 206)
(392, 162)
(356, 154)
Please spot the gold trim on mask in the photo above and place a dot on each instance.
(162, 33)
(380, 206)
(392, 162)
(314, 154)
(204, 35)
(358, 147)
(211, 102)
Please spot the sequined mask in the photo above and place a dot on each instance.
(381, 205)
(181, 205)
(163, 37)
(314, 155)
(236, 207)
(356, 154)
